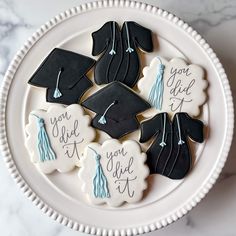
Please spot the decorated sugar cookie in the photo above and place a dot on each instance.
(56, 138)
(116, 107)
(118, 47)
(169, 154)
(173, 86)
(114, 172)
(63, 74)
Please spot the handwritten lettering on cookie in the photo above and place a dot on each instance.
(183, 86)
(180, 87)
(70, 138)
(68, 131)
(122, 171)
(124, 168)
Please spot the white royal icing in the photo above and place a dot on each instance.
(184, 86)
(123, 165)
(68, 130)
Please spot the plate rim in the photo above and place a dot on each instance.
(6, 84)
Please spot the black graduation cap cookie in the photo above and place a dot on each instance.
(116, 107)
(120, 59)
(63, 73)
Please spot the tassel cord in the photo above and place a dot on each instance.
(113, 52)
(179, 131)
(57, 92)
(129, 49)
(102, 120)
(163, 143)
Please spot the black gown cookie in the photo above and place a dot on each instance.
(116, 107)
(120, 60)
(169, 154)
(63, 73)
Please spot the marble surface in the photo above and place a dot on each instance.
(216, 22)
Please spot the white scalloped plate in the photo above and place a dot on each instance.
(59, 195)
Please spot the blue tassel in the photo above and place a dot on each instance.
(180, 142)
(162, 144)
(129, 49)
(100, 184)
(112, 52)
(46, 152)
(102, 120)
(157, 90)
(57, 93)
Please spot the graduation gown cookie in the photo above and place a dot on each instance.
(169, 154)
(116, 107)
(63, 74)
(120, 60)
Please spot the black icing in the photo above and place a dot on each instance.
(73, 82)
(172, 160)
(123, 66)
(70, 96)
(121, 117)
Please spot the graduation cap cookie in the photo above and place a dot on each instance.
(116, 107)
(63, 73)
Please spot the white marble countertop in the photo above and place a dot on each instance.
(216, 22)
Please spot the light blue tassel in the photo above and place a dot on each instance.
(57, 93)
(163, 143)
(180, 142)
(129, 49)
(157, 90)
(113, 52)
(102, 119)
(46, 152)
(100, 184)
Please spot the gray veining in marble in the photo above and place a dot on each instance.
(215, 20)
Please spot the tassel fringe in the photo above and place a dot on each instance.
(100, 184)
(129, 49)
(46, 152)
(157, 90)
(57, 93)
(102, 120)
(112, 52)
